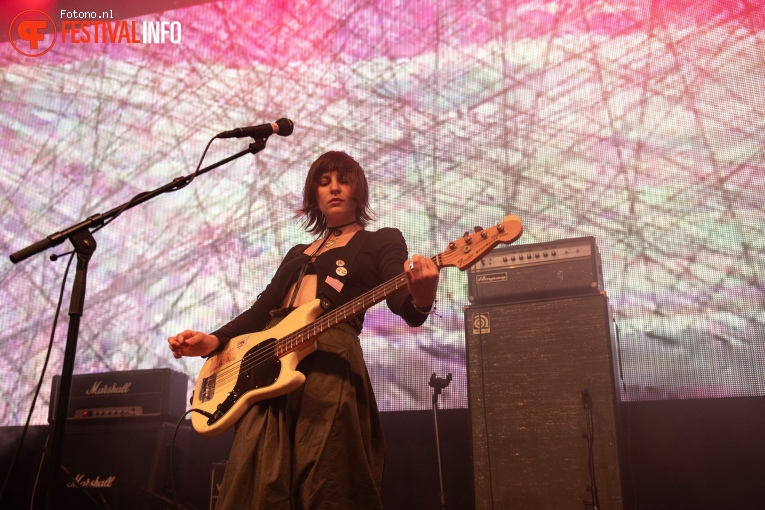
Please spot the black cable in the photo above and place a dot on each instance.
(181, 184)
(173, 493)
(589, 435)
(39, 385)
(485, 427)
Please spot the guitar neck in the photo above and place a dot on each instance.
(343, 313)
(461, 253)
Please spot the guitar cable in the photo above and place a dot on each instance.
(203, 413)
(173, 492)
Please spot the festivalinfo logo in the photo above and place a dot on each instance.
(33, 33)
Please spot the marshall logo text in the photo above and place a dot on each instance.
(89, 483)
(99, 389)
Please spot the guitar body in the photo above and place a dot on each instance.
(248, 371)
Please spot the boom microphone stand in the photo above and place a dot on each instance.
(438, 384)
(84, 245)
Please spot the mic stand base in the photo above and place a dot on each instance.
(438, 384)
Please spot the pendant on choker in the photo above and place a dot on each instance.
(338, 230)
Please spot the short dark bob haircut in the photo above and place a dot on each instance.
(347, 170)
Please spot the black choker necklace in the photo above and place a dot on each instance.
(338, 229)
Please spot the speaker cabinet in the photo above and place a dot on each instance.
(122, 466)
(20, 481)
(540, 383)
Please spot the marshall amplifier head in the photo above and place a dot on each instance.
(155, 393)
(559, 268)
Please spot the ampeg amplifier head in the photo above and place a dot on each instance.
(558, 268)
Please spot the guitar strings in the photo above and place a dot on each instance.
(285, 344)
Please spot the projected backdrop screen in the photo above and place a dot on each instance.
(639, 123)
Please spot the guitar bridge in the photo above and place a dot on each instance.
(207, 388)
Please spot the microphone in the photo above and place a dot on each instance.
(282, 127)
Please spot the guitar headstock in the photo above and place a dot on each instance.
(470, 248)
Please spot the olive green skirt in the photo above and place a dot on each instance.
(320, 446)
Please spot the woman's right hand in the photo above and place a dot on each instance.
(192, 343)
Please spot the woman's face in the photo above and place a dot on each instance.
(335, 198)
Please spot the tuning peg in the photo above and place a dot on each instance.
(466, 234)
(477, 229)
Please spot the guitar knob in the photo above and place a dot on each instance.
(484, 234)
(500, 228)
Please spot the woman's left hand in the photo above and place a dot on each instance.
(422, 280)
